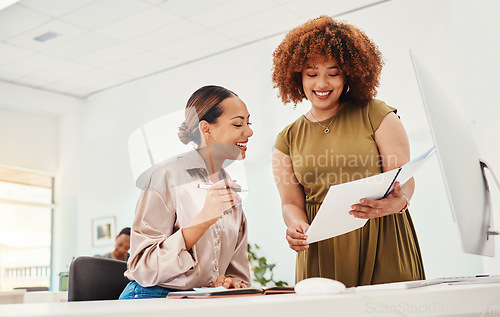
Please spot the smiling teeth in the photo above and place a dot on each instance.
(322, 93)
(241, 144)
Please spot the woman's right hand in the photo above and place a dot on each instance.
(296, 237)
(220, 198)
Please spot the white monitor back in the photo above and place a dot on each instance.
(459, 160)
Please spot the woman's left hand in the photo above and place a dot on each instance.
(369, 209)
(228, 282)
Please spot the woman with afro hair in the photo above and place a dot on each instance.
(345, 136)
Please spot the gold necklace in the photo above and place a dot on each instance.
(327, 128)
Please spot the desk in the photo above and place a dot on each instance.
(45, 297)
(437, 300)
(22, 296)
(13, 296)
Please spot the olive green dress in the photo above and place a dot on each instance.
(386, 248)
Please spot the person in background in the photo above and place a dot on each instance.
(122, 245)
(189, 229)
(346, 135)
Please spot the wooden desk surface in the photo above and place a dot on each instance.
(437, 300)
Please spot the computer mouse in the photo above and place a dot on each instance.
(319, 286)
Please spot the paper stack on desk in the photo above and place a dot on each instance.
(333, 218)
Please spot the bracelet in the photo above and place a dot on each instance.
(405, 208)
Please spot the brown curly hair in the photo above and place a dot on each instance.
(358, 57)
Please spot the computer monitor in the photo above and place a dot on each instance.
(461, 166)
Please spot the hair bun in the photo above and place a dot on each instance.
(184, 134)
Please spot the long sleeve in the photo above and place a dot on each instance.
(159, 254)
(169, 202)
(239, 266)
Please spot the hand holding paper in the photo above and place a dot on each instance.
(376, 208)
(333, 216)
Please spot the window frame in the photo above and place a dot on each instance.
(43, 179)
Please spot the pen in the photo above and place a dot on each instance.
(208, 185)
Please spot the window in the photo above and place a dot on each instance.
(26, 205)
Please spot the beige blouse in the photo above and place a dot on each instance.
(169, 200)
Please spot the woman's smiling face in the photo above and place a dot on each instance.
(233, 126)
(323, 83)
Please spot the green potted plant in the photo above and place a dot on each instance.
(261, 270)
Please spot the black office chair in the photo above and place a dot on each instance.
(94, 278)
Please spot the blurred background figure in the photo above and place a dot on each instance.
(122, 245)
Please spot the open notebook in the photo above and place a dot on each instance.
(217, 292)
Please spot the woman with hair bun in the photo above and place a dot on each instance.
(184, 236)
(345, 136)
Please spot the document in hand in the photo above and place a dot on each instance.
(218, 292)
(333, 217)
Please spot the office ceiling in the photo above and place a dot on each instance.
(80, 47)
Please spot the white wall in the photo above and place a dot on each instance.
(455, 38)
(29, 127)
(29, 140)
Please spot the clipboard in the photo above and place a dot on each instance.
(333, 218)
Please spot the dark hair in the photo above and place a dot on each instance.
(358, 57)
(204, 104)
(125, 230)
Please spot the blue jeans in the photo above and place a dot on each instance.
(134, 290)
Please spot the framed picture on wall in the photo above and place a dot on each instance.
(103, 231)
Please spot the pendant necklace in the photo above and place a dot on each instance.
(327, 128)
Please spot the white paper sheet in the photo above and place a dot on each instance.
(410, 168)
(333, 217)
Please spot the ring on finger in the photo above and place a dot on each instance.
(377, 211)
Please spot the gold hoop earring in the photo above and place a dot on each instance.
(347, 89)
